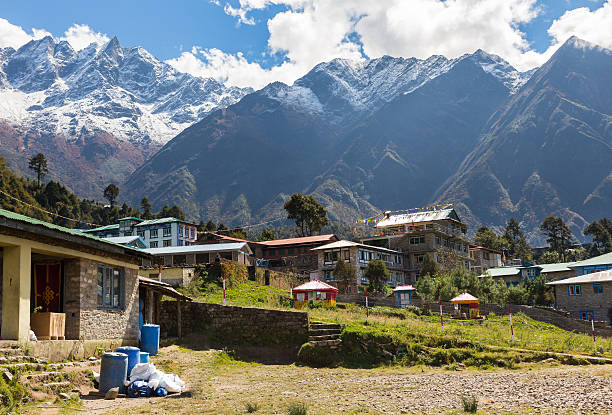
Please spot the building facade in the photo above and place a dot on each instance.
(591, 265)
(526, 272)
(439, 233)
(51, 269)
(156, 233)
(484, 258)
(358, 255)
(587, 297)
(294, 254)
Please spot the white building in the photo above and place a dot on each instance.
(156, 233)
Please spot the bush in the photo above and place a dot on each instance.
(11, 395)
(470, 404)
(251, 407)
(297, 409)
(317, 356)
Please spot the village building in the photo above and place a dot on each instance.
(156, 233)
(133, 241)
(587, 296)
(591, 265)
(92, 284)
(439, 233)
(177, 263)
(404, 295)
(484, 258)
(526, 272)
(293, 254)
(357, 255)
(316, 291)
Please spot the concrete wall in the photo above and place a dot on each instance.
(228, 325)
(599, 304)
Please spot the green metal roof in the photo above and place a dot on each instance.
(558, 267)
(161, 221)
(130, 218)
(501, 272)
(604, 259)
(103, 228)
(22, 218)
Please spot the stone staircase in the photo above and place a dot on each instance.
(325, 334)
(35, 373)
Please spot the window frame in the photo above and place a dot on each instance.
(116, 292)
(597, 288)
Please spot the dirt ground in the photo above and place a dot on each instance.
(219, 384)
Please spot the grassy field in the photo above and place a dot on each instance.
(405, 327)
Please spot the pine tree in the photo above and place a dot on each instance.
(38, 163)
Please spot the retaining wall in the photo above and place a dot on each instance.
(230, 325)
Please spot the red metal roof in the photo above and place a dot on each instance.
(296, 241)
(315, 285)
(404, 288)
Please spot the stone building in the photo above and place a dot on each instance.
(587, 297)
(50, 268)
(439, 233)
(526, 272)
(357, 255)
(484, 258)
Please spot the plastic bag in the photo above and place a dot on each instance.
(161, 392)
(139, 389)
(155, 378)
(172, 383)
(33, 336)
(142, 371)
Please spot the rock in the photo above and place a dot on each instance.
(8, 376)
(93, 358)
(112, 394)
(64, 396)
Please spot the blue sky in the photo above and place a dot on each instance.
(251, 42)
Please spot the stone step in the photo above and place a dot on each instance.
(323, 332)
(25, 367)
(325, 326)
(328, 343)
(57, 385)
(9, 344)
(43, 377)
(10, 351)
(7, 360)
(325, 337)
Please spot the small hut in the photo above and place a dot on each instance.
(466, 305)
(316, 291)
(404, 295)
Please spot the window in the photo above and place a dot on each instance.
(192, 232)
(167, 232)
(437, 240)
(585, 315)
(415, 240)
(574, 289)
(153, 244)
(140, 233)
(597, 289)
(301, 297)
(328, 275)
(346, 256)
(290, 251)
(419, 258)
(153, 233)
(110, 286)
(167, 242)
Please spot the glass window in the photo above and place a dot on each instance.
(140, 233)
(167, 242)
(597, 289)
(153, 233)
(153, 244)
(110, 284)
(167, 231)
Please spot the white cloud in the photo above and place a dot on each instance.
(15, 37)
(312, 31)
(595, 26)
(80, 36)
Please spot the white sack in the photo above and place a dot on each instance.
(142, 371)
(172, 383)
(155, 378)
(33, 336)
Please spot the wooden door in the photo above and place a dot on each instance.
(48, 286)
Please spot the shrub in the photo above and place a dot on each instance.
(297, 409)
(317, 356)
(11, 395)
(470, 404)
(251, 407)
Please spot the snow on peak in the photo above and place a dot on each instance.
(104, 87)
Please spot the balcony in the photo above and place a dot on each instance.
(423, 228)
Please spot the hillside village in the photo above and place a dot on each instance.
(224, 220)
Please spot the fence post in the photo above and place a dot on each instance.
(366, 304)
(223, 291)
(593, 328)
(441, 319)
(511, 327)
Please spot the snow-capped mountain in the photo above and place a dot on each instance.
(124, 92)
(343, 90)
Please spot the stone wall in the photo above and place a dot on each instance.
(84, 320)
(278, 279)
(229, 325)
(600, 304)
(373, 300)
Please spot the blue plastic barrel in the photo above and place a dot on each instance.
(133, 354)
(149, 339)
(144, 357)
(113, 371)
